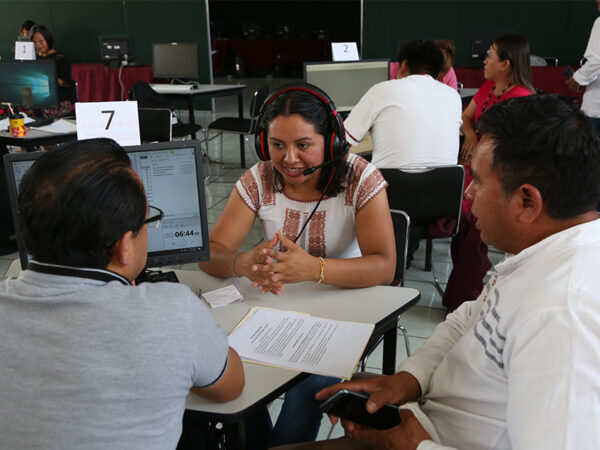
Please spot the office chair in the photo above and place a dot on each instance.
(236, 125)
(426, 194)
(149, 98)
(155, 124)
(401, 223)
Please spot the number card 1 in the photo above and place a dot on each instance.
(115, 120)
(24, 50)
(344, 51)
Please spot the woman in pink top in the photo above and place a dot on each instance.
(447, 74)
(508, 73)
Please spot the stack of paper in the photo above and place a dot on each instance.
(300, 342)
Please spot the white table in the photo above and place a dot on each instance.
(380, 305)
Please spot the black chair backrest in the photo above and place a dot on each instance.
(155, 124)
(426, 194)
(401, 223)
(148, 97)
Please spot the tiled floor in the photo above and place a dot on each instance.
(420, 321)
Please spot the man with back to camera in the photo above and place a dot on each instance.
(588, 74)
(86, 359)
(415, 119)
(518, 367)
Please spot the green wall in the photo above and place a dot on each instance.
(76, 25)
(558, 28)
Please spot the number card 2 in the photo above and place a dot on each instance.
(344, 51)
(115, 120)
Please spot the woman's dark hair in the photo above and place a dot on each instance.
(315, 112)
(76, 202)
(46, 34)
(449, 50)
(515, 49)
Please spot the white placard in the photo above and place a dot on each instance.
(115, 120)
(344, 51)
(24, 50)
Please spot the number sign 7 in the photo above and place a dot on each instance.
(110, 118)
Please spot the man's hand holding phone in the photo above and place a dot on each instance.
(394, 389)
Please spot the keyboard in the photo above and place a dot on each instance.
(155, 276)
(174, 88)
(40, 122)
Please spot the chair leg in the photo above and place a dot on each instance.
(428, 254)
(221, 150)
(436, 282)
(406, 342)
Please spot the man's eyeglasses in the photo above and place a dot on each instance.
(155, 215)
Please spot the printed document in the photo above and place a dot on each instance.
(300, 342)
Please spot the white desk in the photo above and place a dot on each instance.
(467, 92)
(380, 305)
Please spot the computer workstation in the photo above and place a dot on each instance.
(179, 61)
(346, 82)
(30, 84)
(172, 176)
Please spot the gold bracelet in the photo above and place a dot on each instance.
(322, 264)
(232, 263)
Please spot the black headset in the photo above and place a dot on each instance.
(335, 143)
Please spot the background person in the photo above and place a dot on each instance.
(86, 359)
(587, 75)
(507, 69)
(26, 27)
(447, 75)
(517, 367)
(348, 242)
(44, 47)
(414, 120)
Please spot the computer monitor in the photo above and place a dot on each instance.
(346, 82)
(30, 84)
(175, 60)
(116, 48)
(172, 176)
(482, 40)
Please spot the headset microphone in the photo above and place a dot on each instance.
(314, 169)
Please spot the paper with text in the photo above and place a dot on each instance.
(300, 341)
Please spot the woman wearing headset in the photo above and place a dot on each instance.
(350, 235)
(329, 225)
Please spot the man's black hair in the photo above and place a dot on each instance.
(544, 140)
(77, 200)
(422, 57)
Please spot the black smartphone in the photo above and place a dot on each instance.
(568, 72)
(352, 406)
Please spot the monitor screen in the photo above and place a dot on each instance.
(172, 176)
(116, 48)
(30, 84)
(482, 40)
(346, 82)
(175, 60)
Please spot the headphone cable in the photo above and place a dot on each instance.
(315, 208)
